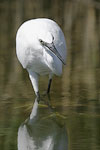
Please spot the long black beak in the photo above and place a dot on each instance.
(53, 49)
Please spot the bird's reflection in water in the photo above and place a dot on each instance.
(43, 130)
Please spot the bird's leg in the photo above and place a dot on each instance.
(34, 79)
(49, 84)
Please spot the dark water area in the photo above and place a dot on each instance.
(75, 96)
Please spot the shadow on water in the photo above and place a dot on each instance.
(43, 130)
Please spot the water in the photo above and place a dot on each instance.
(75, 97)
(43, 130)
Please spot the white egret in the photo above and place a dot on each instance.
(41, 49)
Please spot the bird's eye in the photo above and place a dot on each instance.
(41, 41)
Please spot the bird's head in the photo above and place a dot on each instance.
(51, 47)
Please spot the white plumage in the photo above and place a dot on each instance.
(41, 49)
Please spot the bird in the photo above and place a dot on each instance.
(41, 50)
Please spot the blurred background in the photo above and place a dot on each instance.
(76, 94)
